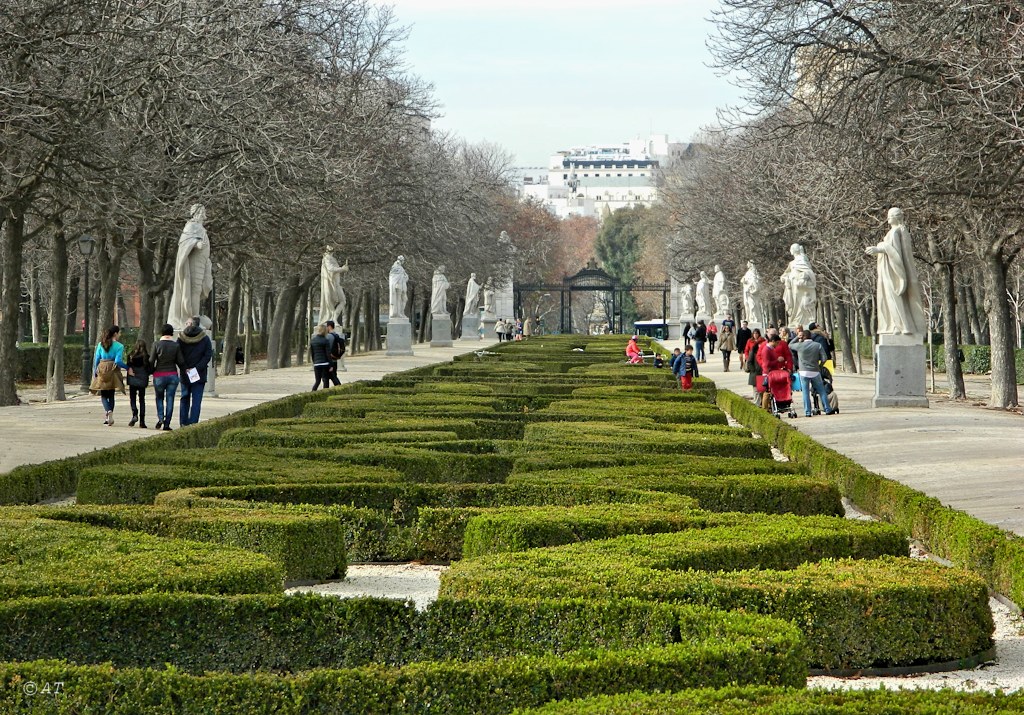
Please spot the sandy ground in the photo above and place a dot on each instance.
(414, 582)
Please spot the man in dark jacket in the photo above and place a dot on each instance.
(196, 353)
(336, 353)
(742, 336)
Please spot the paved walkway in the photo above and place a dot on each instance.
(40, 431)
(968, 457)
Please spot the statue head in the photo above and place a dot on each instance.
(796, 250)
(472, 276)
(895, 216)
(400, 259)
(328, 249)
(439, 269)
(198, 212)
(718, 269)
(750, 265)
(703, 275)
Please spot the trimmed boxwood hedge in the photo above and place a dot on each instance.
(637, 441)
(994, 554)
(788, 701)
(43, 557)
(660, 411)
(284, 634)
(314, 439)
(771, 493)
(306, 545)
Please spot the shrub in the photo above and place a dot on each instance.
(660, 411)
(315, 439)
(620, 438)
(772, 493)
(43, 557)
(784, 701)
(306, 545)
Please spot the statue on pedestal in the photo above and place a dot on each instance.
(704, 304)
(398, 289)
(439, 293)
(753, 308)
(472, 296)
(686, 306)
(900, 306)
(488, 297)
(800, 288)
(193, 270)
(332, 297)
(718, 293)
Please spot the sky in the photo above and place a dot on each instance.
(537, 76)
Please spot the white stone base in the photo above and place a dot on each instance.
(489, 321)
(399, 337)
(706, 318)
(471, 327)
(900, 372)
(675, 329)
(440, 331)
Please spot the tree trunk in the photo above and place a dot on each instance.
(279, 332)
(950, 330)
(231, 319)
(11, 252)
(302, 328)
(974, 313)
(58, 289)
(250, 325)
(370, 321)
(70, 319)
(35, 305)
(354, 315)
(843, 325)
(109, 264)
(1000, 324)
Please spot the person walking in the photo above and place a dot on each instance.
(320, 356)
(742, 336)
(688, 370)
(752, 364)
(727, 344)
(700, 336)
(712, 337)
(165, 364)
(107, 363)
(336, 355)
(138, 381)
(510, 329)
(499, 329)
(527, 327)
(811, 356)
(196, 353)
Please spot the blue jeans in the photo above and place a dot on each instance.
(107, 398)
(169, 386)
(698, 349)
(819, 387)
(191, 402)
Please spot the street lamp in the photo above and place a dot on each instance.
(86, 246)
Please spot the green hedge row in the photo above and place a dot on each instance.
(996, 555)
(42, 557)
(855, 613)
(977, 360)
(659, 411)
(306, 546)
(288, 634)
(788, 701)
(768, 492)
(30, 361)
(638, 441)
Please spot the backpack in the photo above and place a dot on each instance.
(337, 347)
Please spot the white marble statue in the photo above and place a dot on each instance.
(193, 270)
(686, 306)
(718, 293)
(488, 298)
(398, 289)
(439, 293)
(472, 296)
(753, 304)
(900, 306)
(704, 304)
(800, 289)
(332, 296)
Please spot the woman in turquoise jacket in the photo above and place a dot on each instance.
(107, 364)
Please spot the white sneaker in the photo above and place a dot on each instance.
(110, 419)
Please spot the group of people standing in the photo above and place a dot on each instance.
(181, 360)
(514, 329)
(701, 335)
(804, 352)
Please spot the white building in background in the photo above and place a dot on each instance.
(585, 181)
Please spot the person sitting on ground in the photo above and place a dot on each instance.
(689, 369)
(633, 352)
(659, 360)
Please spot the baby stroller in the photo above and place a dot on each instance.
(833, 398)
(781, 391)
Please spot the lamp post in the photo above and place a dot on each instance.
(86, 246)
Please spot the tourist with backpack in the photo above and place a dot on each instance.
(336, 354)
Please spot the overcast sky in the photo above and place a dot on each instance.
(536, 76)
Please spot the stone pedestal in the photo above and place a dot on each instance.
(706, 318)
(489, 321)
(399, 337)
(441, 331)
(675, 329)
(471, 327)
(900, 372)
